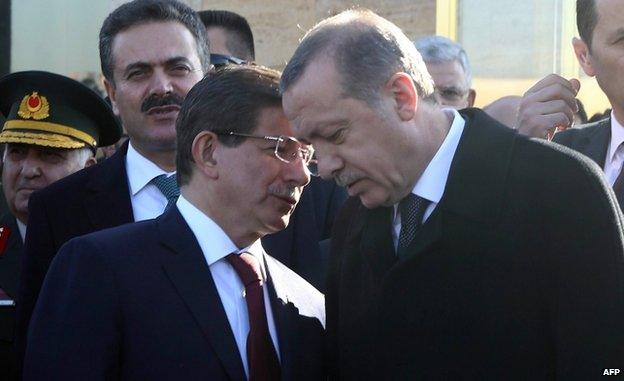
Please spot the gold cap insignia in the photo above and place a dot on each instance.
(34, 106)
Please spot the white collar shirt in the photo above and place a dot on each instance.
(615, 156)
(147, 201)
(216, 245)
(432, 182)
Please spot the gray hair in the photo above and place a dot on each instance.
(439, 49)
(366, 49)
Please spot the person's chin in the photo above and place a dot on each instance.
(277, 223)
(373, 198)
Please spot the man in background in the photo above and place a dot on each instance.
(230, 36)
(53, 127)
(551, 103)
(448, 65)
(151, 52)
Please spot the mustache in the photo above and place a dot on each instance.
(158, 101)
(343, 178)
(285, 191)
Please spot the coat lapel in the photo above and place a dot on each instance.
(108, 201)
(472, 177)
(376, 244)
(282, 314)
(187, 269)
(596, 143)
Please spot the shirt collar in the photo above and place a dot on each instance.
(213, 241)
(617, 137)
(433, 180)
(22, 228)
(140, 170)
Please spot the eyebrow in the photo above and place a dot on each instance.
(168, 62)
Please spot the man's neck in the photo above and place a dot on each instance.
(213, 208)
(165, 159)
(618, 113)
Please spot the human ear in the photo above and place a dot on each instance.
(203, 150)
(581, 50)
(404, 95)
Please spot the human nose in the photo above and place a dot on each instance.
(328, 164)
(31, 167)
(296, 172)
(161, 83)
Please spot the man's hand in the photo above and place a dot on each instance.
(548, 107)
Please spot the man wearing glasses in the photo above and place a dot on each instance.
(192, 293)
(304, 244)
(448, 64)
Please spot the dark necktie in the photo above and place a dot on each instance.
(168, 187)
(261, 355)
(412, 209)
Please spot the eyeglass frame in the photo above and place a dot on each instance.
(224, 60)
(278, 139)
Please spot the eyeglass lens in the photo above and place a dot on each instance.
(289, 150)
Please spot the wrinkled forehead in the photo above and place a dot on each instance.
(314, 98)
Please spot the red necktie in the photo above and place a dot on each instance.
(261, 355)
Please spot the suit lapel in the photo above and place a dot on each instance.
(108, 201)
(187, 269)
(596, 142)
(473, 177)
(283, 312)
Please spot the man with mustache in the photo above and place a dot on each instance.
(467, 251)
(191, 294)
(303, 245)
(152, 52)
(54, 125)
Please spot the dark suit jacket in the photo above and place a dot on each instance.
(592, 140)
(98, 197)
(517, 274)
(138, 302)
(10, 265)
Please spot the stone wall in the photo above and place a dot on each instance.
(279, 24)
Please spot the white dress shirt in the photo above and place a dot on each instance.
(615, 156)
(432, 182)
(147, 201)
(22, 229)
(216, 245)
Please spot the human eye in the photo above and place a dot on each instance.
(180, 69)
(52, 156)
(135, 74)
(450, 93)
(16, 152)
(337, 137)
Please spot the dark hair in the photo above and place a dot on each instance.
(226, 100)
(240, 41)
(586, 19)
(143, 11)
(366, 49)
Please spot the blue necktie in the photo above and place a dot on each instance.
(168, 187)
(412, 209)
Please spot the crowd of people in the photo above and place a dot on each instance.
(352, 218)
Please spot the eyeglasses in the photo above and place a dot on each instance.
(219, 60)
(287, 149)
